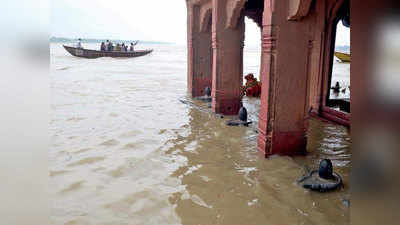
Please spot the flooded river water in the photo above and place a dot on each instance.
(125, 150)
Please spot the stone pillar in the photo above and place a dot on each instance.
(284, 77)
(227, 74)
(319, 49)
(199, 53)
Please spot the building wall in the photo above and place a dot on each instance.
(296, 62)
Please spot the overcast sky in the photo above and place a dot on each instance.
(155, 20)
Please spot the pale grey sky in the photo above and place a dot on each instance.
(156, 20)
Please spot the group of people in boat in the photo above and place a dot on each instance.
(109, 46)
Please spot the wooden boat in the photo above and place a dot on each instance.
(92, 54)
(344, 57)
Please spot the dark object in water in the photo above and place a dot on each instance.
(316, 183)
(243, 114)
(322, 180)
(342, 103)
(325, 169)
(345, 106)
(242, 119)
(208, 91)
(207, 97)
(204, 98)
(238, 123)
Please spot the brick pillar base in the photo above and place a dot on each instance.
(227, 106)
(282, 143)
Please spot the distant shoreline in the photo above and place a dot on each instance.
(89, 40)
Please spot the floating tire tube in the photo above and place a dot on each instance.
(315, 183)
(238, 123)
(242, 115)
(204, 98)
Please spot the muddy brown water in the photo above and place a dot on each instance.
(125, 150)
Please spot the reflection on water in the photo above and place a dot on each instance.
(125, 150)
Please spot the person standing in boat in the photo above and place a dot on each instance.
(123, 47)
(109, 46)
(79, 44)
(336, 88)
(103, 47)
(132, 47)
(118, 47)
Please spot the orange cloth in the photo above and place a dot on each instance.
(252, 87)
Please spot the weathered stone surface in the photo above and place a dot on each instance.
(199, 48)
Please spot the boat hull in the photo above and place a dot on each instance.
(344, 57)
(93, 54)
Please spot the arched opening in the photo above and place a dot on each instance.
(338, 95)
(253, 10)
(252, 49)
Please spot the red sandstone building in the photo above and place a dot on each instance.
(298, 38)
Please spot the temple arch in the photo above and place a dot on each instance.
(234, 9)
(205, 18)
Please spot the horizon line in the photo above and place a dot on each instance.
(111, 39)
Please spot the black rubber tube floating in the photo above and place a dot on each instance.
(208, 91)
(324, 186)
(243, 114)
(323, 179)
(207, 97)
(242, 119)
